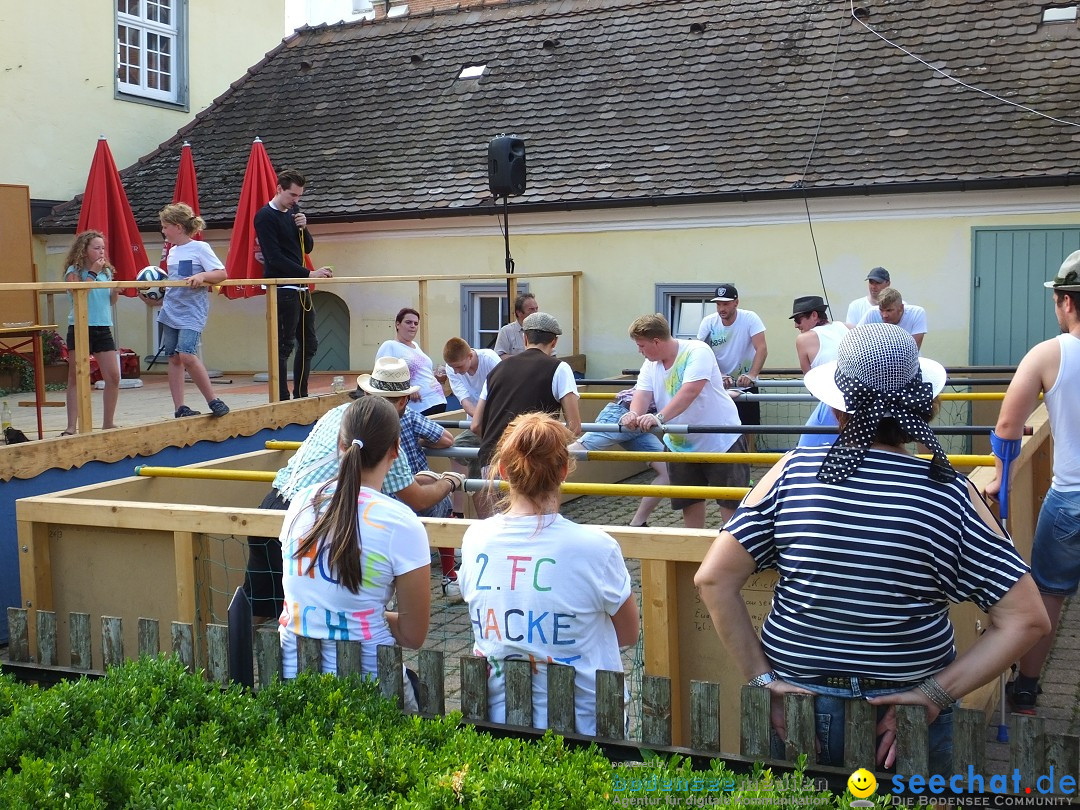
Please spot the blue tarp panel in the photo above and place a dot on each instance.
(96, 472)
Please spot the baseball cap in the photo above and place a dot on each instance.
(726, 292)
(878, 274)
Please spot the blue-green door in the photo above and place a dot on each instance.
(1011, 310)
(332, 329)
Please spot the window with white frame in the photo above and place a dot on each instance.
(684, 305)
(148, 49)
(483, 312)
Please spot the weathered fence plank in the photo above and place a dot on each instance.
(860, 719)
(1027, 750)
(655, 710)
(349, 657)
(19, 635)
(801, 727)
(518, 686)
(268, 655)
(217, 653)
(79, 640)
(308, 654)
(112, 641)
(561, 711)
(432, 682)
(474, 687)
(391, 674)
(183, 644)
(46, 638)
(969, 738)
(610, 704)
(912, 740)
(149, 637)
(755, 729)
(704, 716)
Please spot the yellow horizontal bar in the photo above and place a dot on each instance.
(959, 460)
(206, 474)
(630, 490)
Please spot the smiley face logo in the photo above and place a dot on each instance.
(862, 783)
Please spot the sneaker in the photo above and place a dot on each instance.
(183, 411)
(217, 407)
(1022, 701)
(451, 590)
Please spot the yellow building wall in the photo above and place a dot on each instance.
(928, 255)
(57, 84)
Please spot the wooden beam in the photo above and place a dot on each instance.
(35, 573)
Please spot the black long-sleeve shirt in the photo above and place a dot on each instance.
(279, 240)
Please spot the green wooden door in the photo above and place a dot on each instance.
(332, 321)
(1011, 311)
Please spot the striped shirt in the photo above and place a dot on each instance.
(868, 566)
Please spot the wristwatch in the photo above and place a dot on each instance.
(764, 679)
(660, 417)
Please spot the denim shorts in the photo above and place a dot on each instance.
(178, 341)
(829, 714)
(1055, 551)
(636, 440)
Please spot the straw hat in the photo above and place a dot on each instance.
(389, 378)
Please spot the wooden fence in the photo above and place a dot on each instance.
(1032, 750)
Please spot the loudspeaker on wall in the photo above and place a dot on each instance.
(506, 166)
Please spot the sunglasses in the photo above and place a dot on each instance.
(802, 316)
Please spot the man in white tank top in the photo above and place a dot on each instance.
(815, 345)
(1051, 368)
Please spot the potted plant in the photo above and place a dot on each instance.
(16, 373)
(54, 354)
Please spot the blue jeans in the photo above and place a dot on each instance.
(1055, 551)
(178, 341)
(829, 715)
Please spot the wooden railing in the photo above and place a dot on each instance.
(81, 292)
(1032, 751)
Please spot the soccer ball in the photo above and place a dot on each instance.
(149, 294)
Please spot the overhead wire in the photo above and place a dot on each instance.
(825, 102)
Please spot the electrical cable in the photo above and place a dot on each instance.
(953, 79)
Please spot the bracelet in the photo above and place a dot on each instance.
(933, 690)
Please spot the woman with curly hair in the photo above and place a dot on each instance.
(87, 262)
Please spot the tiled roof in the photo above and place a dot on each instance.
(639, 102)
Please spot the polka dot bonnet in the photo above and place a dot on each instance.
(878, 374)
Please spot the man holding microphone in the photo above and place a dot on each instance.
(283, 237)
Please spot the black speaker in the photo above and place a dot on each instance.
(506, 166)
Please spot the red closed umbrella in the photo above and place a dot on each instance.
(244, 259)
(105, 208)
(186, 190)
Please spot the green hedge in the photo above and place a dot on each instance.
(149, 735)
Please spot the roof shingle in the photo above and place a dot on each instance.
(624, 101)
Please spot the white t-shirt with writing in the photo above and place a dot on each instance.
(733, 345)
(712, 406)
(544, 589)
(392, 542)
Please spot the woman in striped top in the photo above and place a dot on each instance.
(871, 545)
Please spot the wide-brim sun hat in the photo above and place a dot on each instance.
(389, 378)
(881, 356)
